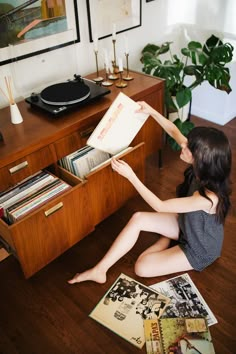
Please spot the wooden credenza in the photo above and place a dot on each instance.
(39, 142)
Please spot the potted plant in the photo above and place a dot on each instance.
(199, 62)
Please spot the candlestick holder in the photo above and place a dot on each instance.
(107, 82)
(121, 83)
(127, 77)
(98, 78)
(114, 56)
(113, 75)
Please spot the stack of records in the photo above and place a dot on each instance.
(82, 161)
(29, 194)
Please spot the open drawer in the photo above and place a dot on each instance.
(108, 190)
(51, 229)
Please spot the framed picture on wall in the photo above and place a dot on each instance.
(34, 27)
(106, 16)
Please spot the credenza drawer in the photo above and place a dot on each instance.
(74, 141)
(26, 166)
(108, 190)
(47, 232)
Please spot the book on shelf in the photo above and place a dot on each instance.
(124, 307)
(118, 127)
(178, 335)
(186, 300)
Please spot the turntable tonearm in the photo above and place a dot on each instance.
(65, 96)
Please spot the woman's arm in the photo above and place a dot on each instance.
(175, 205)
(169, 127)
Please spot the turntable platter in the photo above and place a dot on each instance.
(84, 91)
(65, 93)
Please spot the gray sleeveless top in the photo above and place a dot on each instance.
(201, 236)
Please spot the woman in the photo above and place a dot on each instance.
(195, 218)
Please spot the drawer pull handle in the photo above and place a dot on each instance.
(53, 209)
(86, 132)
(18, 167)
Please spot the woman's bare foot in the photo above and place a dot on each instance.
(91, 274)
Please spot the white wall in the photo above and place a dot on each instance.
(161, 20)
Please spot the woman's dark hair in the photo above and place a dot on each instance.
(211, 167)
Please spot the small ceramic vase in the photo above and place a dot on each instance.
(16, 116)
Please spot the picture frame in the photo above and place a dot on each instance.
(45, 36)
(125, 15)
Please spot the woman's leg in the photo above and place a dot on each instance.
(161, 223)
(166, 261)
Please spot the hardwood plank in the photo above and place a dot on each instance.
(46, 315)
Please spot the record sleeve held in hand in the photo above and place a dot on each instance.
(118, 127)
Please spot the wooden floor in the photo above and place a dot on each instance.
(46, 315)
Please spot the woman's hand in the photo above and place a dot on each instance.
(145, 108)
(169, 127)
(122, 168)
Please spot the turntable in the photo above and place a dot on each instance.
(66, 96)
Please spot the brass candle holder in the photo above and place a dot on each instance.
(98, 78)
(107, 82)
(127, 77)
(121, 83)
(113, 75)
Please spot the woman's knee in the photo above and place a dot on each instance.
(149, 265)
(136, 218)
(140, 267)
